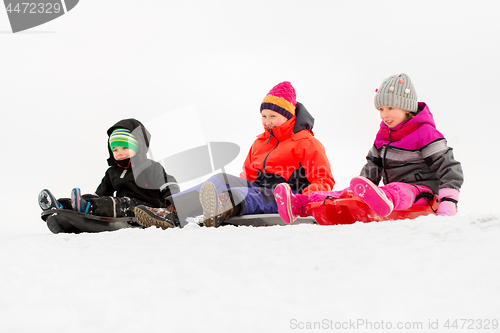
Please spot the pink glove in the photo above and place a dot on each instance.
(448, 198)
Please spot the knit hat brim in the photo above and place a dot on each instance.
(398, 92)
(278, 104)
(396, 101)
(124, 138)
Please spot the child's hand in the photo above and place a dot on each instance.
(446, 208)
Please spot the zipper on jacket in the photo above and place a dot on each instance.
(383, 161)
(271, 133)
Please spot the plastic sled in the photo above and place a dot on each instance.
(265, 220)
(348, 209)
(70, 221)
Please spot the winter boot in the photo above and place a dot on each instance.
(375, 197)
(403, 195)
(77, 202)
(289, 205)
(47, 201)
(218, 208)
(159, 217)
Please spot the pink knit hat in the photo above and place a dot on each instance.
(281, 99)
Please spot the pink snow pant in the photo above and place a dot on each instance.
(402, 195)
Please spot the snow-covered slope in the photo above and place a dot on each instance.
(243, 279)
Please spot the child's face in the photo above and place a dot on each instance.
(392, 117)
(271, 119)
(122, 153)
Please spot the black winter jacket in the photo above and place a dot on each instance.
(143, 180)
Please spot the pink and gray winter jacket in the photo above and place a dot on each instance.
(414, 152)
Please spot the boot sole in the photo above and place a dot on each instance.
(53, 204)
(364, 189)
(148, 219)
(209, 202)
(77, 201)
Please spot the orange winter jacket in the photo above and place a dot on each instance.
(290, 153)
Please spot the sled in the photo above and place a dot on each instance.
(70, 221)
(265, 220)
(348, 209)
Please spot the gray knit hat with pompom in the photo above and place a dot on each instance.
(398, 92)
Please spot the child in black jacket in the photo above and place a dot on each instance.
(131, 179)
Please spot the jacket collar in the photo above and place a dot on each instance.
(423, 116)
(281, 132)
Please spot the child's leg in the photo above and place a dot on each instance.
(258, 200)
(424, 196)
(292, 205)
(393, 196)
(404, 195)
(187, 203)
(111, 206)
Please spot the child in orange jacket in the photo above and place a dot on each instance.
(286, 151)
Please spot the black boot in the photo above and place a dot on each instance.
(159, 217)
(77, 202)
(47, 201)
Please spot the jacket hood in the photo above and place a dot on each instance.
(139, 131)
(405, 132)
(303, 120)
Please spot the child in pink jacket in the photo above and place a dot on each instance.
(409, 154)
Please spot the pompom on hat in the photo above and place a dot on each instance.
(398, 92)
(281, 99)
(124, 138)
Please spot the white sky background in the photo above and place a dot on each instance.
(63, 84)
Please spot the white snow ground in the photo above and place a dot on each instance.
(245, 279)
(64, 83)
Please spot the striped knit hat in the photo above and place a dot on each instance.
(281, 99)
(397, 92)
(123, 138)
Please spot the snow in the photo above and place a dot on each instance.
(246, 279)
(196, 71)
